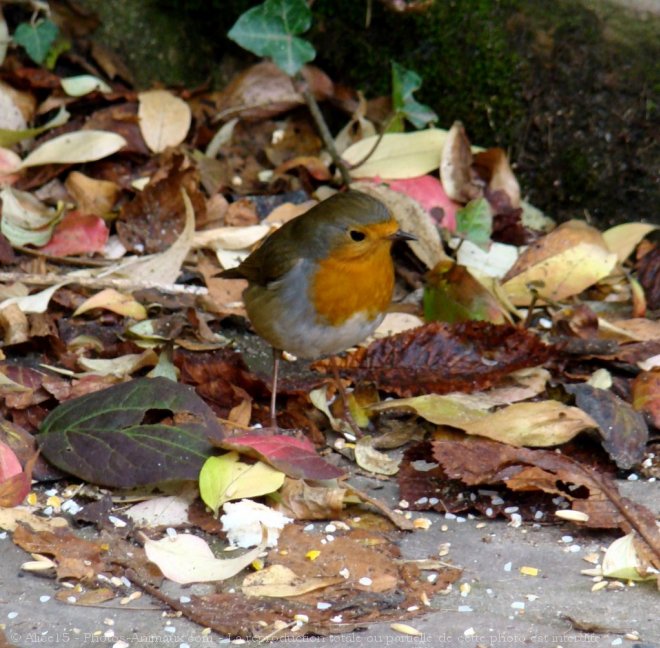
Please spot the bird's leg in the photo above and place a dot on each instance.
(273, 393)
(348, 417)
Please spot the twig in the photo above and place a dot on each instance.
(324, 132)
(397, 519)
(372, 150)
(51, 279)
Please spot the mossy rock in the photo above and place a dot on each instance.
(570, 88)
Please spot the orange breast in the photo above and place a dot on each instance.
(343, 287)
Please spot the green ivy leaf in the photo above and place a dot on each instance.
(270, 29)
(404, 84)
(140, 432)
(37, 38)
(475, 221)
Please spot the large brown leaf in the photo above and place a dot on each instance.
(442, 358)
(478, 462)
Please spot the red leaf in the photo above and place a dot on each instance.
(295, 457)
(14, 481)
(429, 193)
(77, 233)
(9, 463)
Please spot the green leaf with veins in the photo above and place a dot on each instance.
(37, 38)
(404, 84)
(272, 28)
(140, 432)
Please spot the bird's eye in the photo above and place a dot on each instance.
(356, 235)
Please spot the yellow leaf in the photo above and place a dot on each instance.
(623, 239)
(398, 155)
(73, 148)
(164, 119)
(114, 301)
(540, 424)
(225, 478)
(562, 264)
(441, 410)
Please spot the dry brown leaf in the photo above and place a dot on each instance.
(302, 501)
(76, 558)
(456, 166)
(562, 264)
(164, 119)
(443, 358)
(92, 196)
(280, 581)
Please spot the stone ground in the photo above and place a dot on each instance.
(491, 557)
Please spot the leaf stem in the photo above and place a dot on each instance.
(323, 129)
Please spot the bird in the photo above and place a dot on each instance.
(323, 281)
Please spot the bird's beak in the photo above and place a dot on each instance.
(400, 235)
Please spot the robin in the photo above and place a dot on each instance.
(323, 281)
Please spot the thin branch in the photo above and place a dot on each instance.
(372, 150)
(322, 127)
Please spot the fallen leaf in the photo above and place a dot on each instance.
(156, 217)
(121, 366)
(623, 431)
(372, 460)
(12, 518)
(398, 155)
(493, 167)
(302, 501)
(496, 261)
(103, 437)
(296, 458)
(164, 119)
(622, 561)
(165, 267)
(456, 166)
(430, 194)
(280, 581)
(75, 557)
(26, 220)
(10, 163)
(35, 303)
(225, 478)
(646, 395)
(589, 490)
(452, 294)
(474, 222)
(78, 86)
(163, 511)
(186, 558)
(623, 239)
(74, 148)
(264, 90)
(92, 195)
(562, 264)
(442, 358)
(112, 300)
(539, 424)
(648, 275)
(77, 233)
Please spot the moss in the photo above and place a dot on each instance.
(461, 49)
(157, 43)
